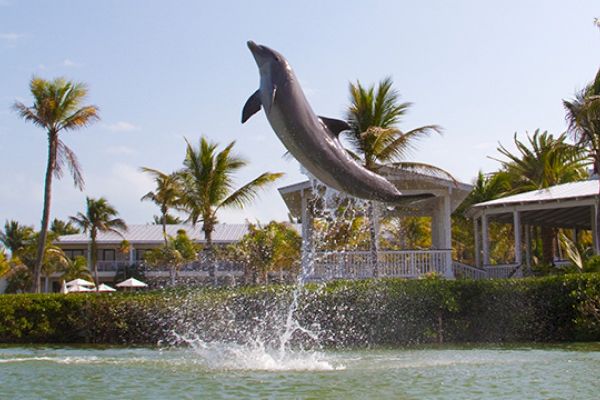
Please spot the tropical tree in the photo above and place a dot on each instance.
(583, 119)
(207, 179)
(166, 196)
(16, 236)
(268, 247)
(76, 268)
(168, 219)
(177, 252)
(486, 187)
(374, 115)
(56, 107)
(60, 227)
(541, 162)
(100, 216)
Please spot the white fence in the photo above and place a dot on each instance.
(397, 264)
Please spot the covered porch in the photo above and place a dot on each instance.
(443, 196)
(572, 206)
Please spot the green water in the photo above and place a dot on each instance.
(224, 371)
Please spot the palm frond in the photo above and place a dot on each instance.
(249, 191)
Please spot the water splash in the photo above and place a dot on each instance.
(266, 333)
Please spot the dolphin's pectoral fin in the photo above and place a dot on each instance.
(252, 106)
(335, 125)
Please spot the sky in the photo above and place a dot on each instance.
(161, 72)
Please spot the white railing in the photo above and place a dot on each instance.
(112, 265)
(464, 271)
(397, 264)
(504, 271)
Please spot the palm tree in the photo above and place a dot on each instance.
(60, 227)
(16, 236)
(167, 194)
(374, 115)
(207, 178)
(583, 119)
(57, 107)
(76, 268)
(100, 216)
(168, 219)
(541, 162)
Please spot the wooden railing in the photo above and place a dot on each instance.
(398, 264)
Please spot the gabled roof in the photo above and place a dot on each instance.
(148, 234)
(566, 191)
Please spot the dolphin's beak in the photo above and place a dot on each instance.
(256, 52)
(252, 46)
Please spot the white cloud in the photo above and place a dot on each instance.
(122, 126)
(11, 36)
(70, 64)
(120, 150)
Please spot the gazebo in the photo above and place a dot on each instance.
(569, 206)
(444, 197)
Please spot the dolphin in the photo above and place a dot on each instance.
(311, 139)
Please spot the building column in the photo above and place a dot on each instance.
(476, 237)
(441, 231)
(131, 254)
(528, 245)
(595, 228)
(517, 232)
(485, 245)
(307, 261)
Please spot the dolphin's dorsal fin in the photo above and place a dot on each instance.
(335, 125)
(252, 106)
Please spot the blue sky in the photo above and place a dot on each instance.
(161, 71)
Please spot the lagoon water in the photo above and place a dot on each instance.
(214, 371)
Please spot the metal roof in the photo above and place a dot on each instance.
(562, 206)
(566, 191)
(223, 233)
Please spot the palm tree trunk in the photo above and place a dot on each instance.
(164, 225)
(547, 245)
(208, 249)
(374, 242)
(50, 167)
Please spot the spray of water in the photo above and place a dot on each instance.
(268, 336)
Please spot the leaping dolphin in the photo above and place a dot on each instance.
(312, 140)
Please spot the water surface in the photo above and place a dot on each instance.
(229, 371)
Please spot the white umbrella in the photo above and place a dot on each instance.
(131, 283)
(78, 288)
(105, 288)
(64, 289)
(80, 282)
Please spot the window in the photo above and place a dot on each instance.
(139, 254)
(108, 255)
(72, 253)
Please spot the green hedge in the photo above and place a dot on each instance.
(343, 313)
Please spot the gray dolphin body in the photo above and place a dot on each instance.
(312, 140)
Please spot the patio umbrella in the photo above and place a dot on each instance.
(131, 283)
(105, 288)
(78, 288)
(64, 289)
(80, 282)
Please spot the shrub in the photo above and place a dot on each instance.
(342, 313)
